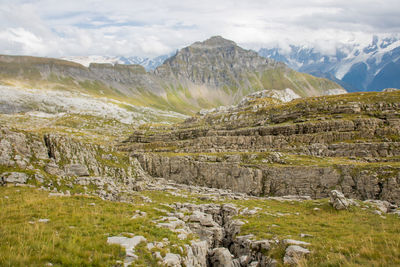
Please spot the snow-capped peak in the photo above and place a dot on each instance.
(147, 63)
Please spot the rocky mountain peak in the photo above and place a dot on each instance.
(214, 42)
(215, 62)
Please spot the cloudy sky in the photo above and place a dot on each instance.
(155, 27)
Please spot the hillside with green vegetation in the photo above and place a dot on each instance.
(204, 75)
(102, 165)
(78, 227)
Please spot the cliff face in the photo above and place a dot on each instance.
(306, 146)
(59, 161)
(203, 75)
(274, 179)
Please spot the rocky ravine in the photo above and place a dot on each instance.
(305, 147)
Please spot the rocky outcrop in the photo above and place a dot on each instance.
(52, 160)
(294, 254)
(338, 200)
(260, 179)
(219, 244)
(305, 147)
(14, 177)
(318, 130)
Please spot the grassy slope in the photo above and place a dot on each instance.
(339, 238)
(77, 232)
(49, 73)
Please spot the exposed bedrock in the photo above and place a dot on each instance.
(324, 138)
(53, 159)
(355, 181)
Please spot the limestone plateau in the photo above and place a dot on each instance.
(218, 157)
(305, 147)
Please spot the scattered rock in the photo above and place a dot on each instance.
(381, 205)
(338, 200)
(172, 260)
(295, 242)
(15, 177)
(305, 235)
(182, 236)
(197, 254)
(43, 220)
(377, 212)
(53, 169)
(146, 199)
(150, 246)
(157, 255)
(76, 170)
(294, 254)
(221, 257)
(129, 244)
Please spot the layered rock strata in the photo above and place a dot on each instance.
(54, 161)
(305, 147)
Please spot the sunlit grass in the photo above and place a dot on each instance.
(77, 232)
(354, 237)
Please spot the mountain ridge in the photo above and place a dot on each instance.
(204, 75)
(354, 66)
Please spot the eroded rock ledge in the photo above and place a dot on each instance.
(305, 147)
(361, 182)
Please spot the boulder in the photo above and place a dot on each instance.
(53, 169)
(172, 260)
(381, 205)
(76, 170)
(294, 254)
(15, 177)
(203, 218)
(338, 200)
(221, 257)
(197, 254)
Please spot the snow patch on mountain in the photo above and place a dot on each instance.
(365, 55)
(147, 63)
(368, 61)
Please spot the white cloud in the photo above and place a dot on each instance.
(19, 39)
(154, 27)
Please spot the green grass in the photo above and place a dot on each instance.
(77, 232)
(339, 238)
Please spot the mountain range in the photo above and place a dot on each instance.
(205, 74)
(356, 67)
